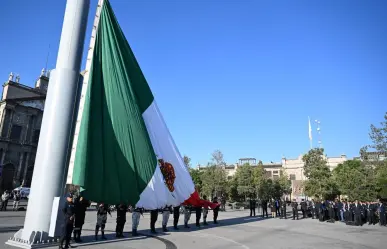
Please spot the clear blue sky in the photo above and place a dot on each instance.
(238, 76)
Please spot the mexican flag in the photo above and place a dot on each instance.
(124, 150)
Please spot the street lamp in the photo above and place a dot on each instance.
(318, 122)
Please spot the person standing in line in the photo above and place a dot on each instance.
(198, 211)
(67, 227)
(277, 207)
(216, 210)
(166, 212)
(272, 208)
(187, 215)
(253, 204)
(357, 209)
(4, 201)
(382, 213)
(205, 212)
(176, 215)
(153, 218)
(295, 209)
(264, 209)
(121, 219)
(283, 209)
(102, 212)
(16, 201)
(136, 215)
(81, 205)
(303, 208)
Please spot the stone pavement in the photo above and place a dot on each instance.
(236, 230)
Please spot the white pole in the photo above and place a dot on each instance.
(52, 155)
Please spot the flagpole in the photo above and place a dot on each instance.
(52, 156)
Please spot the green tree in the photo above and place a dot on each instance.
(187, 161)
(244, 178)
(196, 176)
(354, 180)
(284, 183)
(320, 182)
(217, 158)
(214, 181)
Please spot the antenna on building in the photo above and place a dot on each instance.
(48, 55)
(319, 132)
(17, 78)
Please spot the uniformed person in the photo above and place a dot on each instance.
(187, 215)
(253, 205)
(176, 215)
(198, 211)
(331, 211)
(81, 205)
(102, 212)
(121, 219)
(283, 210)
(303, 208)
(205, 212)
(67, 227)
(216, 210)
(137, 212)
(166, 212)
(295, 209)
(153, 218)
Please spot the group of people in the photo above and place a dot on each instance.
(10, 195)
(355, 213)
(75, 212)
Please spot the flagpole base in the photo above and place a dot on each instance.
(34, 242)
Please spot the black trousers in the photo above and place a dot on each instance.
(4, 205)
(358, 220)
(252, 211)
(216, 212)
(120, 227)
(78, 228)
(278, 212)
(153, 218)
(295, 214)
(198, 215)
(283, 213)
(264, 211)
(382, 220)
(176, 215)
(67, 229)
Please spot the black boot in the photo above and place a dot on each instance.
(186, 225)
(165, 229)
(134, 232)
(175, 227)
(96, 232)
(103, 235)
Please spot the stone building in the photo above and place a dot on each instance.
(21, 112)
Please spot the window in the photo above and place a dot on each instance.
(275, 177)
(292, 177)
(275, 172)
(15, 132)
(35, 137)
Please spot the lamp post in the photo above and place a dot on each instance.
(318, 123)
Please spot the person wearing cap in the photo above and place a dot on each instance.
(67, 227)
(102, 212)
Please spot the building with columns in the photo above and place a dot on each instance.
(21, 112)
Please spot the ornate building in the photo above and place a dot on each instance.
(21, 112)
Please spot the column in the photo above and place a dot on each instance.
(27, 162)
(2, 120)
(3, 157)
(10, 123)
(20, 167)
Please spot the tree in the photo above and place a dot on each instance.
(244, 179)
(187, 161)
(214, 181)
(320, 182)
(196, 176)
(284, 183)
(353, 179)
(378, 136)
(217, 158)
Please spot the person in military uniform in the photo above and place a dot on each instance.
(331, 211)
(102, 212)
(176, 215)
(166, 212)
(153, 218)
(283, 210)
(198, 212)
(295, 209)
(253, 205)
(303, 208)
(216, 210)
(137, 212)
(81, 205)
(187, 215)
(121, 219)
(205, 212)
(67, 227)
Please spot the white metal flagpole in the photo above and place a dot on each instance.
(52, 156)
(310, 135)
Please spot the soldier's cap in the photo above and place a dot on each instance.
(69, 195)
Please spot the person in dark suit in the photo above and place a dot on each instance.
(382, 213)
(303, 208)
(253, 205)
(264, 209)
(358, 210)
(295, 209)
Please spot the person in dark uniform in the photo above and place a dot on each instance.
(371, 213)
(253, 205)
(153, 218)
(198, 211)
(283, 209)
(216, 210)
(331, 212)
(81, 205)
(358, 210)
(295, 209)
(67, 227)
(264, 209)
(102, 212)
(176, 215)
(382, 213)
(303, 208)
(121, 219)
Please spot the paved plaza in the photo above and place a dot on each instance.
(236, 230)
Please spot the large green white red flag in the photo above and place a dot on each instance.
(124, 150)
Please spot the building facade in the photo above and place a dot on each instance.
(21, 113)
